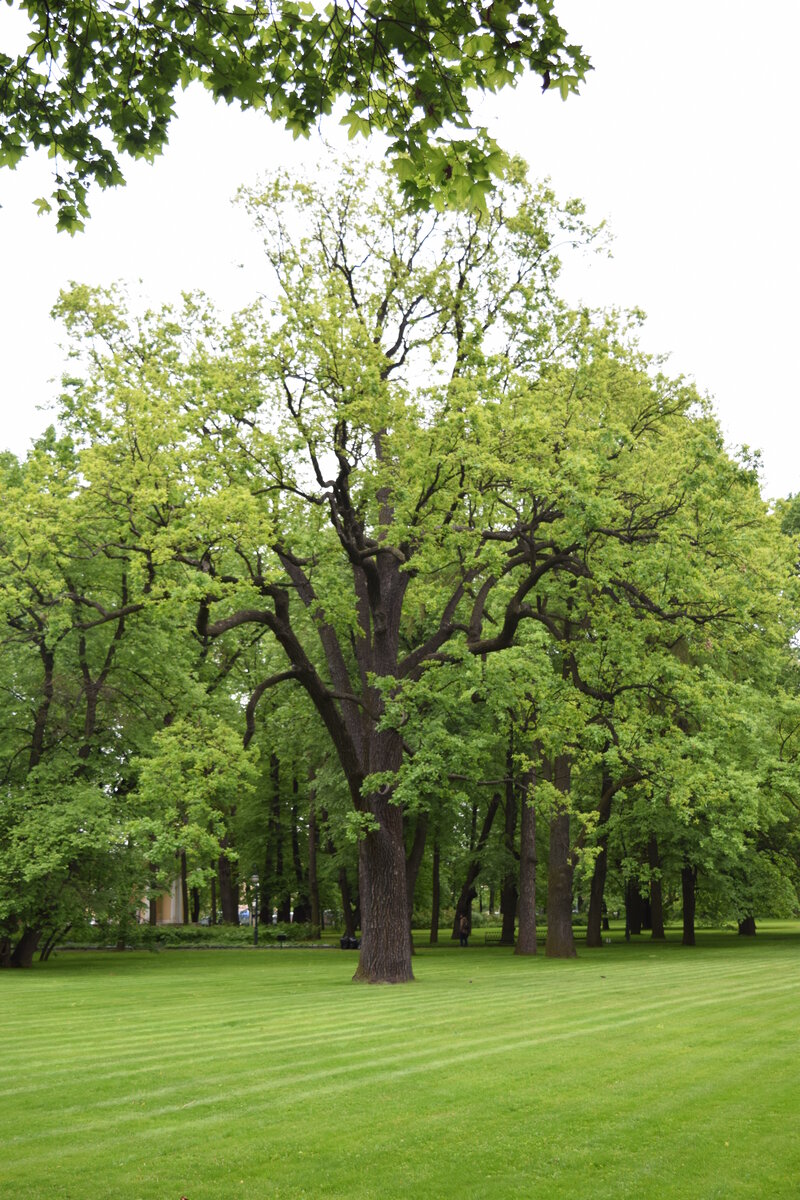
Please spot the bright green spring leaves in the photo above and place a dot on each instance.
(416, 485)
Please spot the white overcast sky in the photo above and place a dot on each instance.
(685, 137)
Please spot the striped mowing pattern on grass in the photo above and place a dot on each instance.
(633, 1071)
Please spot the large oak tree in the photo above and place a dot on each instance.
(408, 455)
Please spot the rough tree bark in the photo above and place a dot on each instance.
(385, 950)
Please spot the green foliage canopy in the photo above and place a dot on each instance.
(98, 80)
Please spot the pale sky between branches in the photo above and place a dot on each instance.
(684, 137)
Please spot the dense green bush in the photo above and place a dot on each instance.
(156, 937)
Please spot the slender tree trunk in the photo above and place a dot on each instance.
(689, 891)
(152, 912)
(350, 925)
(122, 935)
(349, 916)
(228, 891)
(464, 902)
(413, 863)
(526, 937)
(414, 858)
(560, 938)
(747, 927)
(313, 881)
(435, 894)
(184, 891)
(283, 897)
(214, 900)
(633, 907)
(508, 895)
(302, 904)
(49, 946)
(656, 891)
(594, 920)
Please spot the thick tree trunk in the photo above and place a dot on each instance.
(385, 955)
(436, 901)
(594, 920)
(689, 891)
(152, 912)
(526, 937)
(214, 900)
(23, 952)
(560, 938)
(656, 891)
(747, 927)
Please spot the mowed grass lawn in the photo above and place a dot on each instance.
(634, 1071)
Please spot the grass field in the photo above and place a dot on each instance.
(634, 1071)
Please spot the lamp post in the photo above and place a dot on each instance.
(254, 882)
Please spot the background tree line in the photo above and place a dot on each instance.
(408, 584)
